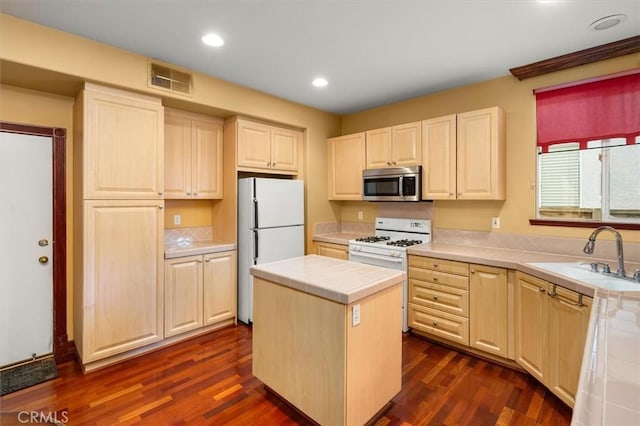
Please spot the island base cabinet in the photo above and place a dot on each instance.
(306, 350)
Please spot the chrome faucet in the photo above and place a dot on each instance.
(588, 248)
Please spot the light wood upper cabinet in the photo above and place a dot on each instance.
(263, 147)
(488, 320)
(439, 158)
(481, 156)
(193, 156)
(345, 163)
(119, 285)
(464, 156)
(122, 144)
(396, 146)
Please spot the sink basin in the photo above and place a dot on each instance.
(582, 272)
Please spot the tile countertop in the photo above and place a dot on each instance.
(190, 248)
(338, 237)
(333, 279)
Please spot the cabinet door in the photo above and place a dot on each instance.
(531, 325)
(439, 158)
(337, 251)
(488, 309)
(206, 163)
(177, 150)
(254, 145)
(284, 149)
(406, 145)
(378, 149)
(220, 287)
(568, 323)
(481, 155)
(123, 145)
(345, 163)
(183, 295)
(122, 297)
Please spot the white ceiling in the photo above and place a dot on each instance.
(373, 52)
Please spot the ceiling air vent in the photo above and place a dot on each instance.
(166, 78)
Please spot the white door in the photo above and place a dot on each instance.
(26, 255)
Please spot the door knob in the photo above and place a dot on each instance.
(43, 259)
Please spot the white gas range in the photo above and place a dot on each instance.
(388, 248)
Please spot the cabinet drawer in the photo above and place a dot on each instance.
(441, 278)
(441, 324)
(450, 266)
(446, 299)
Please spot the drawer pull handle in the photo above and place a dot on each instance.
(435, 323)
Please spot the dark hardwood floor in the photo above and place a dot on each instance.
(207, 380)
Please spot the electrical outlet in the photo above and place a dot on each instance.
(495, 222)
(177, 219)
(360, 216)
(355, 315)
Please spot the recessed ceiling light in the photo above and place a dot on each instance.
(607, 22)
(320, 82)
(212, 39)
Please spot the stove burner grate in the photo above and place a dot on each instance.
(404, 243)
(373, 239)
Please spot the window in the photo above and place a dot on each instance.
(589, 151)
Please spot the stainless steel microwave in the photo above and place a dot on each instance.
(392, 184)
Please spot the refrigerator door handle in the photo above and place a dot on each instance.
(255, 213)
(255, 247)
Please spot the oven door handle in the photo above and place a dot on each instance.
(401, 184)
(376, 256)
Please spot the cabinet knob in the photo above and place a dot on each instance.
(188, 193)
(435, 278)
(541, 290)
(459, 193)
(451, 193)
(435, 323)
(195, 193)
(273, 165)
(393, 162)
(160, 193)
(435, 297)
(161, 207)
(199, 261)
(473, 271)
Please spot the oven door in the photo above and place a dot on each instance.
(377, 260)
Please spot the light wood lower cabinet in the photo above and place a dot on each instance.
(465, 303)
(199, 291)
(439, 298)
(119, 281)
(488, 321)
(551, 327)
(337, 251)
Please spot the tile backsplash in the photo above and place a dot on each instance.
(180, 235)
(604, 249)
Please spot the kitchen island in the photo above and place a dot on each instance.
(327, 336)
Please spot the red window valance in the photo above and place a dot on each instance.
(596, 110)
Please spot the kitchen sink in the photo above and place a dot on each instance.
(582, 271)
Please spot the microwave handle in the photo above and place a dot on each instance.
(401, 186)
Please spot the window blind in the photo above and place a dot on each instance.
(603, 109)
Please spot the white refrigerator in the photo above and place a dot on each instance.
(270, 228)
